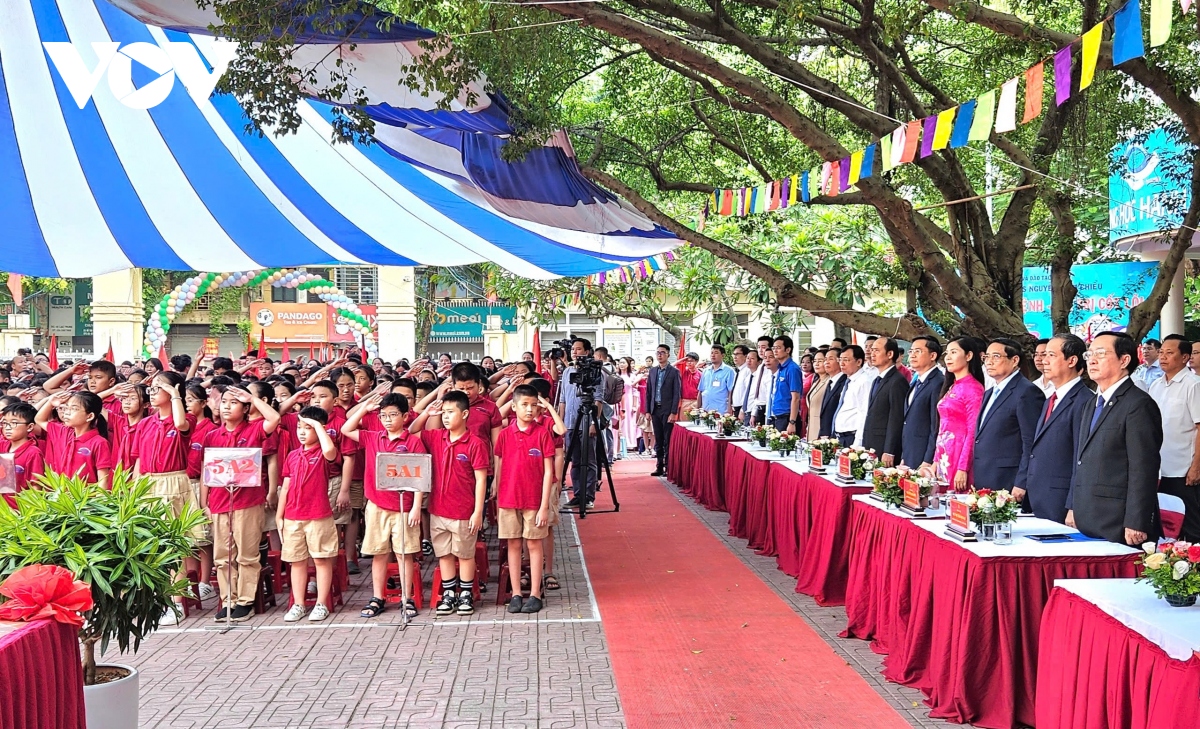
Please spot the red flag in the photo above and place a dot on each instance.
(536, 348)
(109, 355)
(285, 355)
(682, 336)
(262, 343)
(310, 351)
(52, 355)
(14, 288)
(162, 355)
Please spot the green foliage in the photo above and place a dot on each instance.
(1162, 569)
(125, 543)
(222, 302)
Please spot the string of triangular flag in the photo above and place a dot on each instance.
(636, 271)
(953, 128)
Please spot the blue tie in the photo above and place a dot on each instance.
(875, 387)
(1096, 415)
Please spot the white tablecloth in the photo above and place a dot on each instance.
(1021, 546)
(1175, 630)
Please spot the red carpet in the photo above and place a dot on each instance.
(696, 638)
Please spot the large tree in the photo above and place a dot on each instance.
(667, 100)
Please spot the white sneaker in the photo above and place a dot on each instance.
(297, 612)
(319, 613)
(207, 592)
(170, 616)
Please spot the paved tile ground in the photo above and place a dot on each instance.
(490, 670)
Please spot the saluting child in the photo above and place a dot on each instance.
(16, 425)
(77, 446)
(460, 467)
(393, 518)
(304, 515)
(524, 487)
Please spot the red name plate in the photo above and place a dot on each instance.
(960, 515)
(844, 467)
(912, 493)
(816, 458)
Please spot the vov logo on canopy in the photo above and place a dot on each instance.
(168, 59)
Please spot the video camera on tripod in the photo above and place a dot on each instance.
(586, 442)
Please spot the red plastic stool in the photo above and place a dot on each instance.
(393, 596)
(310, 598)
(505, 593)
(265, 597)
(192, 600)
(283, 576)
(341, 574)
(482, 568)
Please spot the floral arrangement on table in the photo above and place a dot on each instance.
(783, 442)
(1173, 568)
(729, 425)
(862, 461)
(760, 433)
(827, 446)
(886, 483)
(992, 507)
(696, 415)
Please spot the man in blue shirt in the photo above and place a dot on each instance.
(789, 386)
(716, 384)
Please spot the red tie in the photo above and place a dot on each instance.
(1050, 406)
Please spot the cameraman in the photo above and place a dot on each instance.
(582, 485)
(614, 390)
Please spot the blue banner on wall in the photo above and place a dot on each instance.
(1148, 186)
(1107, 292)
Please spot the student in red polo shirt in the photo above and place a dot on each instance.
(554, 423)
(16, 425)
(341, 472)
(460, 463)
(524, 484)
(101, 379)
(393, 519)
(78, 445)
(199, 405)
(304, 516)
(121, 426)
(160, 449)
(238, 518)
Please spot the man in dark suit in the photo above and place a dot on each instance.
(663, 391)
(1114, 494)
(837, 382)
(1048, 480)
(920, 405)
(1007, 420)
(883, 428)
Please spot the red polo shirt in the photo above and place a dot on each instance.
(454, 467)
(120, 439)
(248, 434)
(307, 496)
(523, 455)
(484, 416)
(160, 445)
(28, 464)
(370, 444)
(195, 456)
(83, 455)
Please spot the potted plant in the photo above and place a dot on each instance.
(1173, 568)
(782, 442)
(862, 461)
(759, 434)
(128, 546)
(992, 510)
(885, 483)
(828, 448)
(729, 425)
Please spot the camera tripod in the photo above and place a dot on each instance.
(582, 438)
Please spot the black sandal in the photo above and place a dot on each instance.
(375, 606)
(410, 608)
(551, 582)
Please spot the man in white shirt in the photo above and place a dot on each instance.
(1149, 371)
(1177, 393)
(1043, 380)
(758, 388)
(851, 411)
(743, 377)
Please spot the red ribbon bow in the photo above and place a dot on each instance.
(45, 592)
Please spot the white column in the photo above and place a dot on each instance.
(118, 315)
(397, 313)
(1172, 313)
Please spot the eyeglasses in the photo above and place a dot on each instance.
(153, 390)
(993, 357)
(10, 424)
(1096, 354)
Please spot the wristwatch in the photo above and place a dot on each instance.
(791, 422)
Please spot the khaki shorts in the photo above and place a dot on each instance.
(269, 520)
(520, 524)
(175, 489)
(388, 531)
(207, 540)
(451, 537)
(316, 538)
(358, 499)
(341, 518)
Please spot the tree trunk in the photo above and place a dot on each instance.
(89, 662)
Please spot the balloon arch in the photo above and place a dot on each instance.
(186, 293)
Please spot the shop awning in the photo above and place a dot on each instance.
(91, 183)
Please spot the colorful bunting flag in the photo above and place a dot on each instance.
(843, 175)
(945, 124)
(912, 138)
(855, 167)
(1034, 81)
(835, 178)
(885, 151)
(794, 189)
(868, 162)
(929, 126)
(1062, 75)
(805, 194)
(1091, 52)
(1006, 112)
(1187, 5)
(962, 124)
(1160, 22)
(1127, 32)
(727, 202)
(985, 113)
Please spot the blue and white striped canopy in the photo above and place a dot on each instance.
(90, 184)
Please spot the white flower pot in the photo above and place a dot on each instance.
(113, 705)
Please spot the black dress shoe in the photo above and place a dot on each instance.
(658, 472)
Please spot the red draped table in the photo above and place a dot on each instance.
(819, 557)
(1113, 656)
(701, 471)
(41, 677)
(681, 455)
(958, 621)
